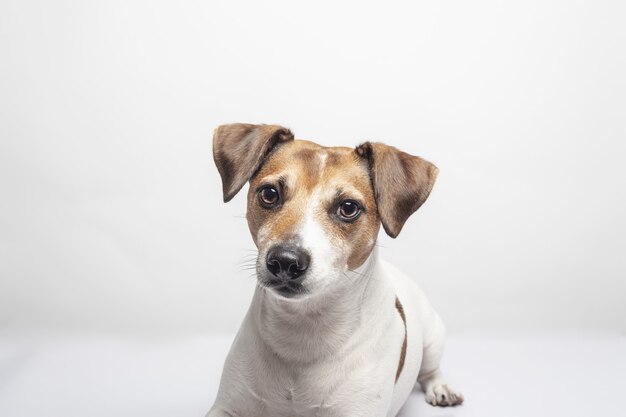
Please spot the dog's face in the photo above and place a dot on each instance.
(314, 212)
(312, 215)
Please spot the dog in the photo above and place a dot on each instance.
(332, 330)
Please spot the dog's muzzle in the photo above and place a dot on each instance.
(287, 265)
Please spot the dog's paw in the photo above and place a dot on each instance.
(443, 395)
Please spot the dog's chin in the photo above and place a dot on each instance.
(285, 289)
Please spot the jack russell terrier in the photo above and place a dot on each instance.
(332, 330)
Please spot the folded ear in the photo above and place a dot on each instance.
(239, 150)
(401, 182)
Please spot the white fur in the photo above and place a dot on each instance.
(325, 260)
(335, 353)
(332, 352)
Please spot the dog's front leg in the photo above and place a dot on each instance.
(438, 391)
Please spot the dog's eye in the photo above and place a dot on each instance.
(348, 210)
(268, 196)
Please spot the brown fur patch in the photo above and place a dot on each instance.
(239, 150)
(404, 342)
(391, 184)
(306, 167)
(402, 183)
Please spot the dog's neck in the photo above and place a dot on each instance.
(321, 325)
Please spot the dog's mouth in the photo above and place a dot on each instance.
(286, 289)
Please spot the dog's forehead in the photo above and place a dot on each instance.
(300, 150)
(312, 163)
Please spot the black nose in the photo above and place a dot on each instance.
(287, 262)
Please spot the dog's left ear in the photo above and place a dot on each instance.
(239, 150)
(401, 182)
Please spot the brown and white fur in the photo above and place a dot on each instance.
(341, 333)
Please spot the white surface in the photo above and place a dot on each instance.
(77, 377)
(111, 217)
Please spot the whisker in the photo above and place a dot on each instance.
(247, 269)
(247, 261)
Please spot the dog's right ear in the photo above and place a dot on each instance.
(239, 150)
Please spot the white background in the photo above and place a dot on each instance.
(111, 217)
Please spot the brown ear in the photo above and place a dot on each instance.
(401, 182)
(239, 150)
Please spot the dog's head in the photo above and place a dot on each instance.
(314, 212)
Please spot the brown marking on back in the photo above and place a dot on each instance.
(404, 342)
